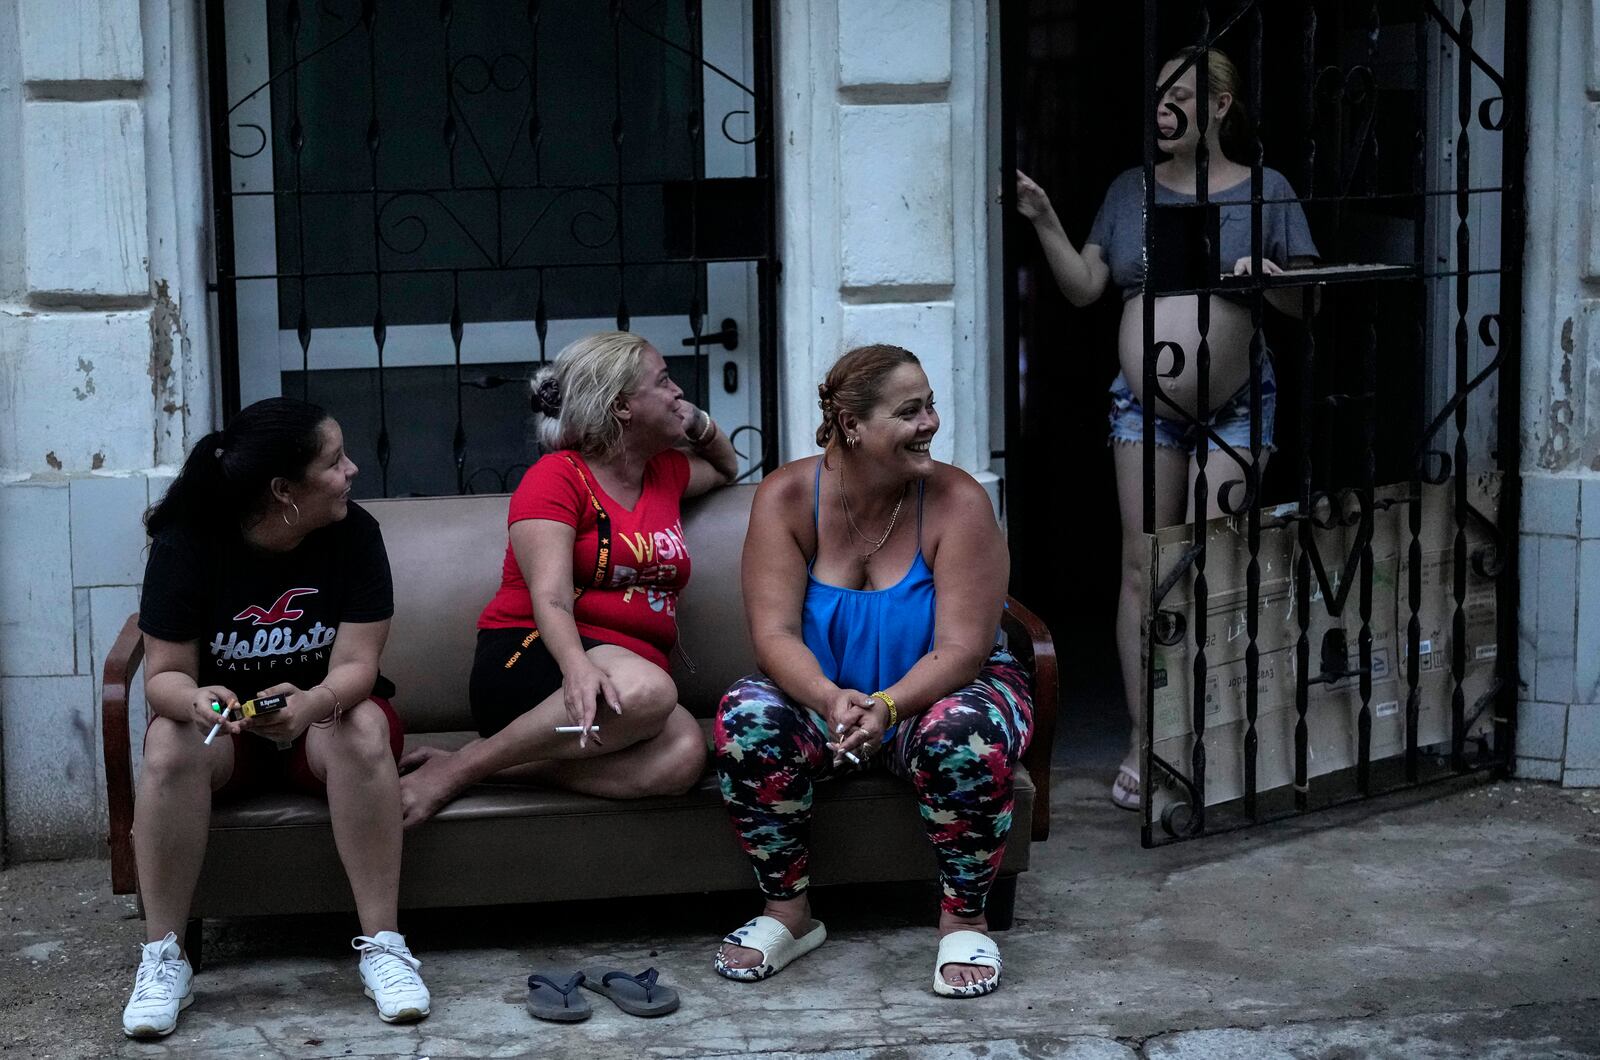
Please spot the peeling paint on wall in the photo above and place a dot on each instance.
(53, 460)
(1556, 452)
(163, 319)
(87, 368)
(166, 320)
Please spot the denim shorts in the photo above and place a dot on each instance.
(1231, 420)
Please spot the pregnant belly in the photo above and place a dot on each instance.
(1177, 321)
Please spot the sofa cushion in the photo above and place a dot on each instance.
(488, 801)
(446, 553)
(713, 636)
(284, 809)
(505, 844)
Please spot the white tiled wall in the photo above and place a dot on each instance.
(106, 545)
(1558, 716)
(52, 795)
(104, 370)
(36, 620)
(74, 555)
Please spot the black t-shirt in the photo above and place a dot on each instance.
(262, 617)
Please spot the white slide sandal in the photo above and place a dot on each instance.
(777, 948)
(966, 947)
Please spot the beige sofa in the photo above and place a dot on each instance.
(500, 844)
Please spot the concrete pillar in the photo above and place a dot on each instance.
(1558, 725)
(884, 213)
(102, 304)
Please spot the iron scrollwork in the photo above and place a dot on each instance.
(498, 210)
(1342, 110)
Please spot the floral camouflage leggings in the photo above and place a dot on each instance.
(959, 754)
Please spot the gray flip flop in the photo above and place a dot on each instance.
(550, 1000)
(637, 995)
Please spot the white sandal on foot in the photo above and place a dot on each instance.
(1125, 789)
(772, 940)
(966, 947)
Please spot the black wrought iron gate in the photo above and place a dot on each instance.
(416, 200)
(1359, 635)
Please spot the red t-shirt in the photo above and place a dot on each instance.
(637, 605)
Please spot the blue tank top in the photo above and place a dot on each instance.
(868, 639)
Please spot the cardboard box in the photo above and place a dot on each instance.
(1333, 706)
(1436, 616)
(1227, 676)
(1225, 696)
(1226, 619)
(1332, 736)
(1436, 613)
(1227, 557)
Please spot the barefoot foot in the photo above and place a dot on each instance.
(427, 789)
(420, 756)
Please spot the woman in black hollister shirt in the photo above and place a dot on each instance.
(264, 579)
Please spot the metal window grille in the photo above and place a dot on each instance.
(416, 201)
(1404, 435)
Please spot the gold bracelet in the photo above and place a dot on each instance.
(338, 707)
(888, 701)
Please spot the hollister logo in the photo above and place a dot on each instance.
(280, 611)
(281, 640)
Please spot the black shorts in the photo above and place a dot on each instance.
(512, 672)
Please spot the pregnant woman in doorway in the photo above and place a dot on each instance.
(1113, 254)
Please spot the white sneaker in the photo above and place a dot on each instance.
(162, 988)
(389, 973)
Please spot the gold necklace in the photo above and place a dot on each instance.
(844, 502)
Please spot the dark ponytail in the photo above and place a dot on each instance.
(226, 482)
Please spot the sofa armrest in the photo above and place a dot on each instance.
(1031, 642)
(121, 669)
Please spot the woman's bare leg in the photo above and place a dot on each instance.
(668, 763)
(172, 818)
(1171, 490)
(648, 701)
(354, 760)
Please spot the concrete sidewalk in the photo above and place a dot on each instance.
(1452, 923)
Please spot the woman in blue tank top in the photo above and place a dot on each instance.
(874, 577)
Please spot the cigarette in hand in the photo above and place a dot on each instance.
(576, 728)
(851, 755)
(217, 727)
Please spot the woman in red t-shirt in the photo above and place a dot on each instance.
(588, 600)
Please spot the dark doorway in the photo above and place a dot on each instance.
(1074, 85)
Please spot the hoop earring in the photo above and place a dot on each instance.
(285, 517)
(850, 440)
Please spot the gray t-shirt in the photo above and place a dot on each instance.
(1119, 226)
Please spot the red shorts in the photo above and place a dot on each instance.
(259, 765)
